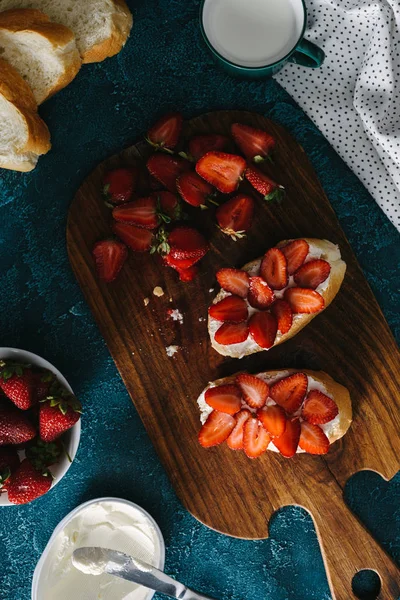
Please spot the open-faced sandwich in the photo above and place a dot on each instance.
(286, 411)
(272, 298)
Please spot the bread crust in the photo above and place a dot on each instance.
(60, 37)
(338, 392)
(338, 270)
(122, 21)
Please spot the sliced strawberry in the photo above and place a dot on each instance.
(304, 301)
(319, 408)
(119, 184)
(234, 281)
(223, 171)
(235, 216)
(110, 256)
(296, 253)
(288, 442)
(186, 242)
(188, 274)
(264, 184)
(260, 294)
(138, 239)
(232, 333)
(290, 392)
(263, 328)
(312, 274)
(312, 439)
(235, 440)
(193, 189)
(167, 169)
(225, 398)
(202, 144)
(255, 144)
(180, 264)
(274, 269)
(216, 429)
(283, 314)
(273, 419)
(165, 133)
(231, 308)
(169, 204)
(255, 439)
(141, 212)
(255, 391)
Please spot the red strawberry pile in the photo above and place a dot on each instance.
(262, 304)
(250, 414)
(145, 217)
(35, 411)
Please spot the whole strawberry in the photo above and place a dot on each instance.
(28, 483)
(42, 382)
(57, 414)
(16, 381)
(15, 427)
(9, 463)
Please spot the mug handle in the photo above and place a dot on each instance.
(308, 54)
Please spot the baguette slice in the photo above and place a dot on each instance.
(334, 430)
(318, 248)
(101, 27)
(44, 53)
(23, 134)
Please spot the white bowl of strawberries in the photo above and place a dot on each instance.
(39, 426)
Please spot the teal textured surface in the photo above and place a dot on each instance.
(164, 66)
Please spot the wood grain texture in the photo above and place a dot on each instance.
(351, 341)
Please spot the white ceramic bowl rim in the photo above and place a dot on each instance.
(69, 516)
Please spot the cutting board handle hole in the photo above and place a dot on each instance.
(366, 585)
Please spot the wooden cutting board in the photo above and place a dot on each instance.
(350, 340)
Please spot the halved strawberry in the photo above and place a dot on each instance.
(119, 184)
(288, 442)
(234, 281)
(235, 440)
(290, 392)
(263, 328)
(304, 301)
(202, 144)
(255, 391)
(264, 184)
(274, 269)
(165, 133)
(186, 242)
(137, 238)
(312, 439)
(225, 398)
(255, 144)
(216, 429)
(169, 204)
(273, 419)
(319, 408)
(232, 333)
(260, 294)
(312, 274)
(188, 274)
(110, 256)
(223, 171)
(255, 439)
(235, 216)
(231, 308)
(193, 189)
(141, 212)
(167, 169)
(179, 264)
(283, 314)
(296, 253)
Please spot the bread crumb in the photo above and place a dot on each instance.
(201, 319)
(175, 315)
(170, 299)
(146, 301)
(171, 350)
(211, 290)
(158, 291)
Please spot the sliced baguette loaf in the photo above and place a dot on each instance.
(101, 27)
(23, 134)
(44, 53)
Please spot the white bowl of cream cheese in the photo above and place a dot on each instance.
(108, 523)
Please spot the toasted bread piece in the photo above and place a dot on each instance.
(327, 251)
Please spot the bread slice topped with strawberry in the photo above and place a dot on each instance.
(288, 411)
(272, 298)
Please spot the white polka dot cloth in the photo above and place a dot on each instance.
(354, 98)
